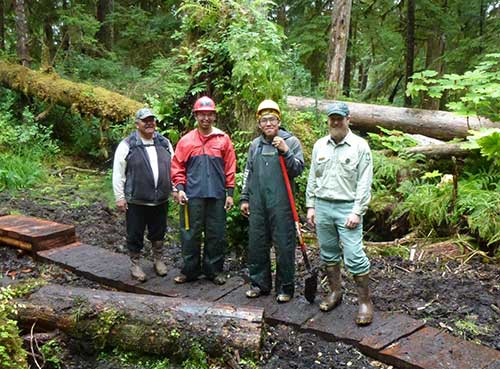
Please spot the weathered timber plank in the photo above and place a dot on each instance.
(339, 324)
(413, 351)
(396, 326)
(41, 234)
(493, 365)
(295, 312)
(463, 355)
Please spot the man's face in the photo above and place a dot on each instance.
(205, 119)
(270, 125)
(146, 126)
(337, 124)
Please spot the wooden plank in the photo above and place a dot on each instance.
(16, 243)
(41, 234)
(463, 355)
(413, 351)
(397, 326)
(339, 324)
(294, 313)
(493, 365)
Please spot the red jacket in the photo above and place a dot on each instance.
(204, 166)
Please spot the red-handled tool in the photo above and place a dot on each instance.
(311, 278)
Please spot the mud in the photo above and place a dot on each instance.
(463, 298)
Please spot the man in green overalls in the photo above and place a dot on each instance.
(264, 200)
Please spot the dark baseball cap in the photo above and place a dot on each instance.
(339, 108)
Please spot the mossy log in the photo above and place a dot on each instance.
(433, 123)
(143, 323)
(82, 98)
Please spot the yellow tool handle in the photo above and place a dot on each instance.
(186, 217)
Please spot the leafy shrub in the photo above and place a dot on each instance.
(12, 354)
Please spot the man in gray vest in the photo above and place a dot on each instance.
(141, 184)
(337, 197)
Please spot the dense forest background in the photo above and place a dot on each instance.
(427, 54)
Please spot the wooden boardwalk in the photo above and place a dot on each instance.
(393, 338)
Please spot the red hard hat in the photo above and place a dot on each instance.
(204, 103)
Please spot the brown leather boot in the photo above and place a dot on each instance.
(135, 268)
(335, 282)
(365, 312)
(160, 267)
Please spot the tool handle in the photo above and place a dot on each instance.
(294, 212)
(186, 217)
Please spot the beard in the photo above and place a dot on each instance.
(338, 133)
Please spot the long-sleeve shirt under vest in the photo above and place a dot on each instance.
(341, 172)
(204, 166)
(141, 169)
(294, 159)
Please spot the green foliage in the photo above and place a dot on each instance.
(426, 204)
(475, 92)
(53, 354)
(235, 52)
(197, 358)
(488, 141)
(81, 26)
(12, 354)
(470, 327)
(393, 140)
(132, 360)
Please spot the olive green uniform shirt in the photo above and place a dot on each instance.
(341, 172)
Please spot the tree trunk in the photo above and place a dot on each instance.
(2, 25)
(410, 45)
(440, 151)
(144, 323)
(346, 88)
(105, 33)
(433, 123)
(341, 17)
(22, 34)
(81, 98)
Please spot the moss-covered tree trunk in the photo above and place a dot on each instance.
(84, 99)
(143, 323)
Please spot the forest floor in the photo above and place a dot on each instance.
(459, 295)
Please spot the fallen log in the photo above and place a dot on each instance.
(433, 123)
(143, 323)
(440, 151)
(81, 98)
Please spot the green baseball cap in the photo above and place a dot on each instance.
(339, 108)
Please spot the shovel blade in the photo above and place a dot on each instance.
(311, 287)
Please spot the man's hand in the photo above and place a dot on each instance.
(352, 221)
(280, 144)
(122, 204)
(182, 198)
(175, 196)
(245, 209)
(229, 203)
(311, 217)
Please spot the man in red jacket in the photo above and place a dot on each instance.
(203, 170)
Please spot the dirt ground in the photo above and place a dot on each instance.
(463, 298)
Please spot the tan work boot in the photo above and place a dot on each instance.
(334, 298)
(135, 268)
(160, 267)
(365, 312)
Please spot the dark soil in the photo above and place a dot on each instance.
(462, 298)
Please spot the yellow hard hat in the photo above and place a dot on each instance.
(268, 107)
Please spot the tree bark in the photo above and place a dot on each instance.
(105, 33)
(440, 151)
(2, 25)
(144, 323)
(81, 98)
(433, 123)
(22, 34)
(410, 45)
(341, 17)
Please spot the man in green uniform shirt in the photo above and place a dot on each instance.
(337, 196)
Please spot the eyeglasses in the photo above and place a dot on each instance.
(272, 120)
